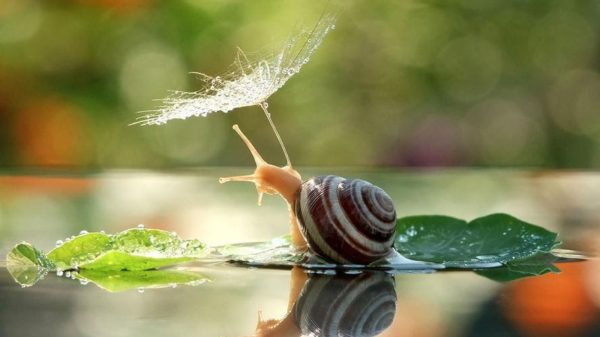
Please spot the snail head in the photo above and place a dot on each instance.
(268, 178)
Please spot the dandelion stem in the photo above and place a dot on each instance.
(268, 114)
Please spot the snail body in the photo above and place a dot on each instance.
(345, 221)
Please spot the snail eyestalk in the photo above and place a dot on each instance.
(271, 179)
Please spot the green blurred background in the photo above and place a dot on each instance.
(398, 83)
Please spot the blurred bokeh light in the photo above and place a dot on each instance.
(411, 83)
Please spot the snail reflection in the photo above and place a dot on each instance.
(360, 305)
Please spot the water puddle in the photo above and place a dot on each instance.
(278, 254)
(497, 246)
(344, 301)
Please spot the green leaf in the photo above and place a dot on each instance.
(27, 265)
(134, 249)
(81, 248)
(116, 260)
(534, 266)
(117, 281)
(493, 239)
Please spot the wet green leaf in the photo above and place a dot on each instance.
(27, 265)
(116, 260)
(133, 250)
(493, 239)
(81, 248)
(117, 281)
(534, 266)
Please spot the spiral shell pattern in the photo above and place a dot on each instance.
(347, 221)
(346, 305)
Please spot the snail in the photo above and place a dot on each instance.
(345, 221)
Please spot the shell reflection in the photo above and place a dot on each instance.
(346, 305)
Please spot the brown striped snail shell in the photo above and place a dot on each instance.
(346, 220)
(346, 305)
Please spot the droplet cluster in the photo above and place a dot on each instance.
(137, 241)
(249, 83)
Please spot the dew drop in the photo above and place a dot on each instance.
(411, 231)
(59, 242)
(83, 232)
(83, 281)
(141, 290)
(59, 273)
(140, 226)
(68, 274)
(332, 27)
(402, 238)
(265, 104)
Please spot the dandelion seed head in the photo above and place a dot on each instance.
(250, 82)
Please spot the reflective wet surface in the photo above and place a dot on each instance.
(241, 301)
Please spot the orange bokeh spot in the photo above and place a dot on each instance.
(50, 133)
(552, 305)
(47, 184)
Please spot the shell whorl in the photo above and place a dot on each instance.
(345, 305)
(348, 221)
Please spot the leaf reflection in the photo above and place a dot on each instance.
(118, 281)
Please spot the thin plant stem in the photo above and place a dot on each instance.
(268, 115)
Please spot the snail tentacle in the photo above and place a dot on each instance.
(271, 179)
